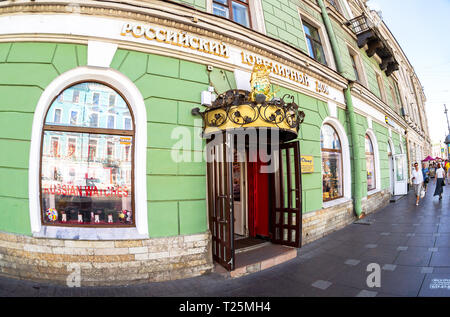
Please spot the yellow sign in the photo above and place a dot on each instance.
(124, 140)
(307, 163)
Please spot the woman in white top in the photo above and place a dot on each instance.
(417, 180)
(439, 181)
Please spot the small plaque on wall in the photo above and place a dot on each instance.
(307, 164)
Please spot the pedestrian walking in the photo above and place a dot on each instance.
(432, 170)
(426, 177)
(447, 167)
(417, 180)
(439, 181)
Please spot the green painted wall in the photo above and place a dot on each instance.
(382, 135)
(25, 70)
(282, 21)
(309, 136)
(197, 4)
(171, 88)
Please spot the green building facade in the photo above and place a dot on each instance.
(170, 233)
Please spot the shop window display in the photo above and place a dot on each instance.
(332, 176)
(86, 168)
(370, 164)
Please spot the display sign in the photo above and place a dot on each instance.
(182, 40)
(177, 38)
(307, 164)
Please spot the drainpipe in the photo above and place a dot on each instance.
(357, 175)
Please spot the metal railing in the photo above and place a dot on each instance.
(359, 24)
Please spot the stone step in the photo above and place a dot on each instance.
(253, 247)
(257, 260)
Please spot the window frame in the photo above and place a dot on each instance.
(78, 97)
(93, 99)
(381, 87)
(94, 131)
(341, 160)
(305, 17)
(230, 10)
(125, 120)
(356, 59)
(336, 5)
(76, 144)
(114, 120)
(109, 100)
(367, 136)
(96, 113)
(314, 41)
(70, 115)
(60, 114)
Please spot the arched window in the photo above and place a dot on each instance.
(370, 164)
(332, 177)
(87, 166)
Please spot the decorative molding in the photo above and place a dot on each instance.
(208, 25)
(100, 54)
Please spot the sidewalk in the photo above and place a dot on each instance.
(410, 243)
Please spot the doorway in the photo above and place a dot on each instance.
(252, 201)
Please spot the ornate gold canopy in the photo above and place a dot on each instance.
(259, 108)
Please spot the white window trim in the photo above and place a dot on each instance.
(359, 65)
(383, 96)
(52, 137)
(131, 122)
(73, 94)
(115, 100)
(347, 8)
(54, 115)
(96, 147)
(98, 118)
(255, 11)
(346, 169)
(68, 143)
(107, 120)
(376, 155)
(70, 115)
(136, 102)
(392, 145)
(96, 93)
(325, 41)
(335, 202)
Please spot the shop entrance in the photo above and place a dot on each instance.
(253, 198)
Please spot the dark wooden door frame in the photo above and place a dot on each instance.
(220, 200)
(287, 207)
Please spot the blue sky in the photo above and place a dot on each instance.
(422, 28)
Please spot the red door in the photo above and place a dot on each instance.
(286, 215)
(258, 198)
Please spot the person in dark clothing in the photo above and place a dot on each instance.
(426, 179)
(439, 181)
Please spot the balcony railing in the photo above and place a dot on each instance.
(368, 34)
(359, 24)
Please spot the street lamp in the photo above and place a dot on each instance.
(447, 142)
